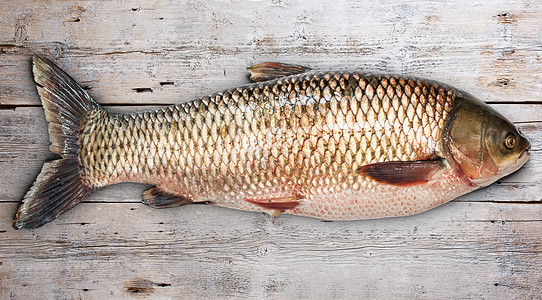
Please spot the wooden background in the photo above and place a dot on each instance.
(135, 55)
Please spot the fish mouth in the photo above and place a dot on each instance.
(523, 156)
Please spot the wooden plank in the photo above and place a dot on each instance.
(24, 150)
(484, 245)
(458, 251)
(490, 49)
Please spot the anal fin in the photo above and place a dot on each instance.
(272, 70)
(157, 198)
(278, 202)
(403, 173)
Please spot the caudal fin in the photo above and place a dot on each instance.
(59, 186)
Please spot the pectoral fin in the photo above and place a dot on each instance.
(157, 198)
(272, 70)
(403, 173)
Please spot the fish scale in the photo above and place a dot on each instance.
(331, 145)
(306, 134)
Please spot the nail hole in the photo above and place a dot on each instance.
(163, 284)
(142, 90)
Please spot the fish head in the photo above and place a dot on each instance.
(482, 143)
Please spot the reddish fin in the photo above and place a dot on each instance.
(157, 198)
(271, 70)
(276, 202)
(403, 173)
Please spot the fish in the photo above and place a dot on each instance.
(341, 145)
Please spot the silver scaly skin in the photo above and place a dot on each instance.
(303, 136)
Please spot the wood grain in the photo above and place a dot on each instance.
(133, 55)
(490, 49)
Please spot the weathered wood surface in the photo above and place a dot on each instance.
(483, 245)
(490, 49)
(460, 250)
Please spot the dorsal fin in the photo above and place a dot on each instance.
(273, 70)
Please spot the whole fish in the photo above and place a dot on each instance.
(330, 145)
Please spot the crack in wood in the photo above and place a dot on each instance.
(8, 107)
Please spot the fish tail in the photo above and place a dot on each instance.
(60, 185)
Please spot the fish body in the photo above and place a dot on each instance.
(331, 145)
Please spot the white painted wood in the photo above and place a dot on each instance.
(488, 48)
(484, 245)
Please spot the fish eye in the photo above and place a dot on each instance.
(510, 141)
